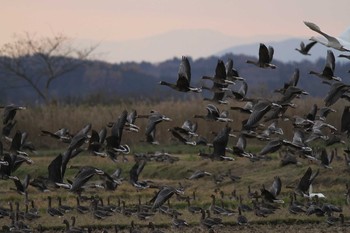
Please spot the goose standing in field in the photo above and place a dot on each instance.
(328, 70)
(51, 210)
(265, 57)
(333, 42)
(184, 78)
(304, 49)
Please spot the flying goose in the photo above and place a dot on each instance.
(275, 189)
(181, 138)
(220, 76)
(304, 49)
(163, 195)
(21, 187)
(232, 73)
(293, 81)
(265, 57)
(184, 78)
(337, 90)
(134, 175)
(333, 42)
(303, 186)
(328, 70)
(213, 114)
(345, 121)
(9, 112)
(153, 120)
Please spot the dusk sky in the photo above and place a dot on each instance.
(113, 21)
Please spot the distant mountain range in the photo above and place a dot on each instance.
(284, 50)
(189, 42)
(99, 81)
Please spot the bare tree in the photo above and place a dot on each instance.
(38, 62)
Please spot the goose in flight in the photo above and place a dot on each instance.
(304, 49)
(265, 57)
(328, 70)
(232, 73)
(332, 42)
(305, 182)
(184, 78)
(214, 114)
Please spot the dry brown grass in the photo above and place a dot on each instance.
(74, 118)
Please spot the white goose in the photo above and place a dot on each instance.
(333, 42)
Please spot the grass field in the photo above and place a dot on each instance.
(330, 182)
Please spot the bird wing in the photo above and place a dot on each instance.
(309, 46)
(271, 52)
(317, 29)
(304, 182)
(276, 186)
(264, 56)
(213, 110)
(54, 170)
(184, 73)
(220, 70)
(330, 60)
(220, 142)
(345, 120)
(162, 196)
(271, 146)
(229, 66)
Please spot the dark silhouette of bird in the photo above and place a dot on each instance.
(9, 112)
(304, 49)
(265, 57)
(21, 187)
(304, 184)
(345, 121)
(337, 90)
(184, 78)
(328, 70)
(163, 195)
(134, 175)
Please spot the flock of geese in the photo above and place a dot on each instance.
(109, 143)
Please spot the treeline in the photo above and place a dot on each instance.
(102, 82)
